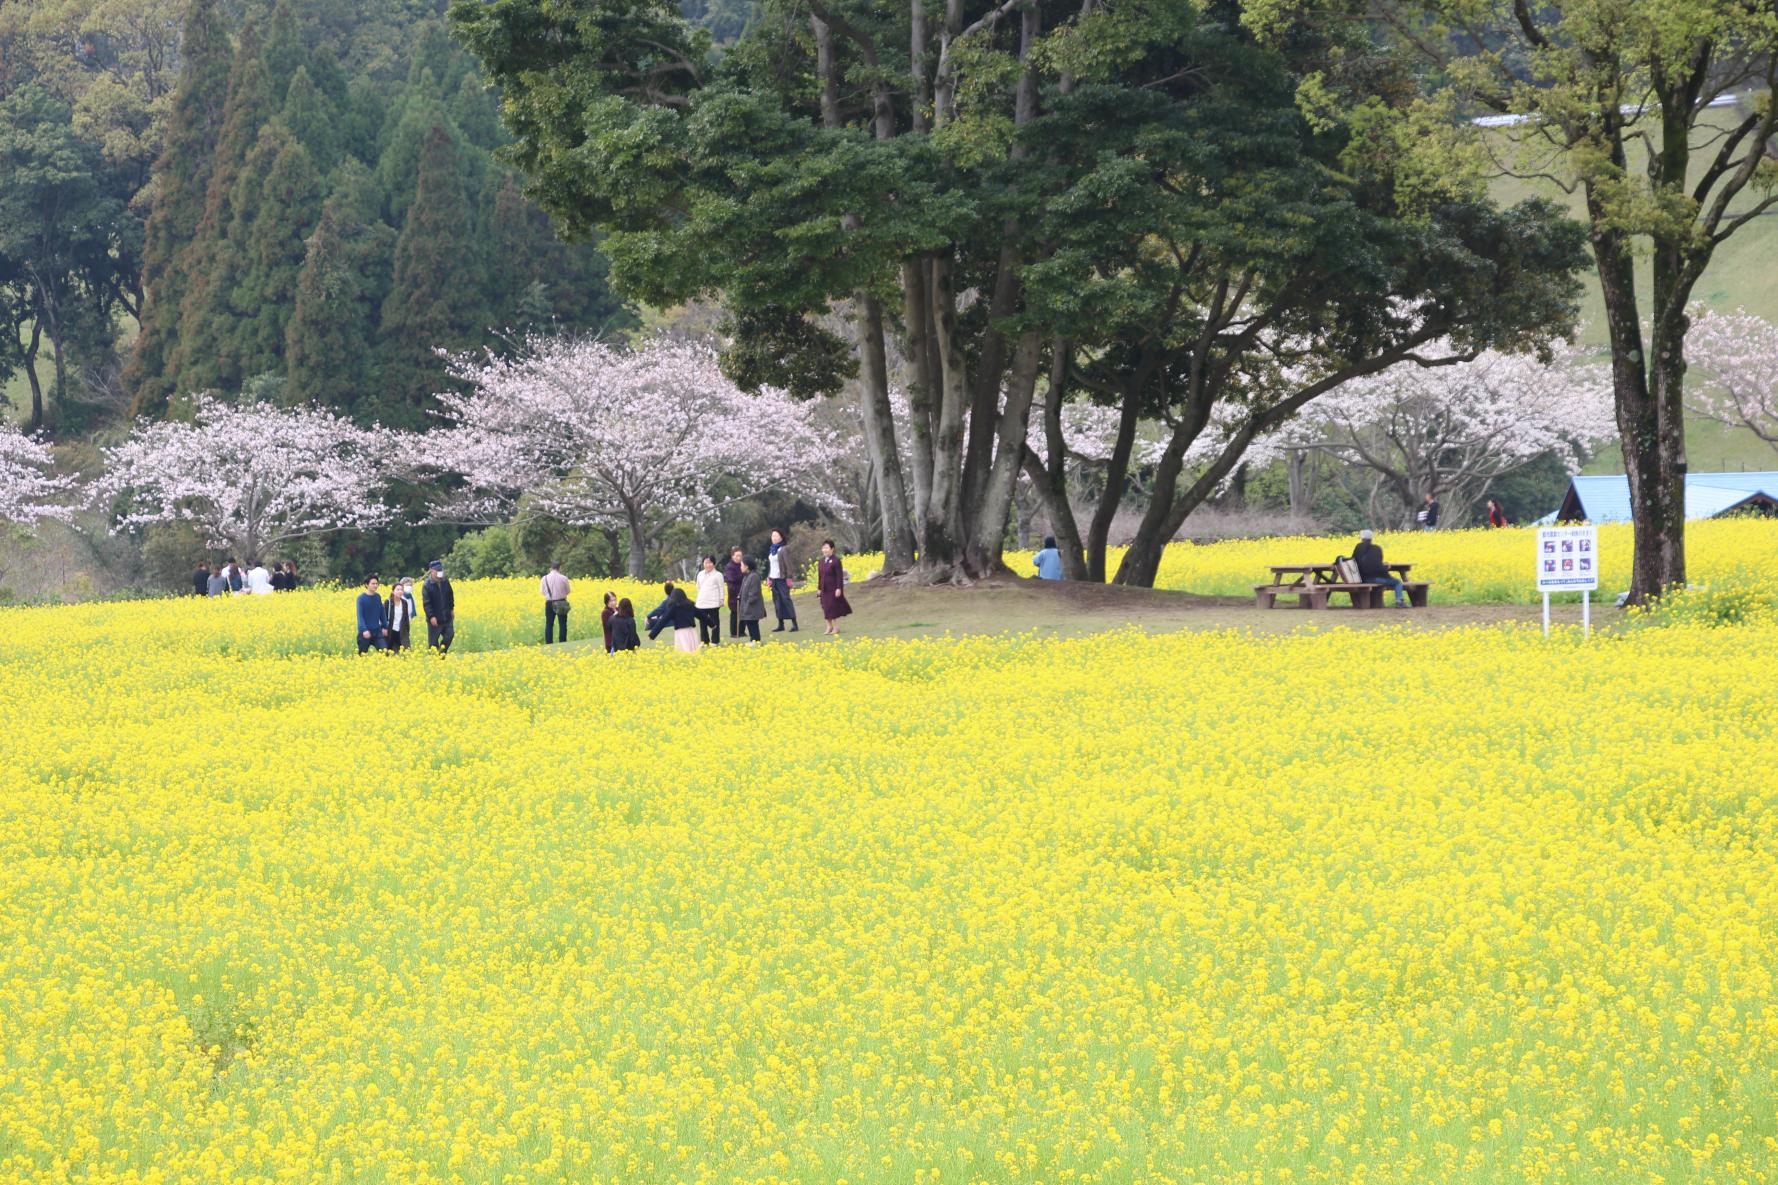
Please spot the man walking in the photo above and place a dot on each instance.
(1428, 515)
(554, 587)
(440, 604)
(373, 625)
(200, 581)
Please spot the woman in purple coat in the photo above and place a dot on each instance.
(830, 580)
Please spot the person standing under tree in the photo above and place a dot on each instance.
(709, 602)
(200, 581)
(830, 582)
(555, 588)
(605, 616)
(1428, 515)
(751, 603)
(778, 573)
(373, 628)
(440, 604)
(1497, 515)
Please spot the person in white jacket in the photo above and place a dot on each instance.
(709, 602)
(259, 580)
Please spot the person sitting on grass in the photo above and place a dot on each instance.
(1048, 562)
(1369, 558)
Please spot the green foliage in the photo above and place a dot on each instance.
(483, 554)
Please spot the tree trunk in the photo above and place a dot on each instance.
(1296, 463)
(988, 536)
(638, 547)
(941, 532)
(1117, 471)
(1052, 495)
(922, 381)
(32, 377)
(879, 438)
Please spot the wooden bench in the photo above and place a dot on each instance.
(1315, 596)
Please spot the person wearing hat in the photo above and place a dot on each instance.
(1369, 558)
(441, 608)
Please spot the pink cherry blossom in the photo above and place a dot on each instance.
(591, 434)
(30, 490)
(1733, 377)
(250, 476)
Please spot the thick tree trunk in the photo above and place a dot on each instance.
(638, 548)
(941, 532)
(1296, 463)
(879, 438)
(32, 377)
(923, 381)
(1117, 472)
(988, 533)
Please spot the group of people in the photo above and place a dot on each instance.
(388, 625)
(230, 579)
(696, 619)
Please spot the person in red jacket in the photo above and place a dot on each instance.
(1497, 515)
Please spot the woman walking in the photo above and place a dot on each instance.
(683, 618)
(751, 605)
(400, 613)
(778, 575)
(709, 604)
(1496, 514)
(831, 584)
(621, 628)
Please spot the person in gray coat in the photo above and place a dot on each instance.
(750, 606)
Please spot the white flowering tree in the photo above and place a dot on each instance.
(1452, 430)
(251, 476)
(1733, 371)
(30, 490)
(633, 440)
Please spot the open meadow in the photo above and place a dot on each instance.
(1400, 905)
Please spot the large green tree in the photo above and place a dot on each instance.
(1661, 115)
(902, 159)
(182, 175)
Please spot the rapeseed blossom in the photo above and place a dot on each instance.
(1390, 906)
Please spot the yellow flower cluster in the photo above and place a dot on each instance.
(1477, 566)
(1381, 906)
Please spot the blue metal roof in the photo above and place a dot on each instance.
(1606, 499)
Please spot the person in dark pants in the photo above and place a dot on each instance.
(778, 576)
(200, 581)
(657, 617)
(1369, 558)
(399, 613)
(623, 628)
(555, 587)
(733, 573)
(709, 602)
(236, 578)
(751, 608)
(605, 616)
(1428, 515)
(373, 627)
(440, 604)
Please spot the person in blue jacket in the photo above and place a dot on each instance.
(1048, 562)
(373, 622)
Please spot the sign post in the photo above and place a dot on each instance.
(1568, 561)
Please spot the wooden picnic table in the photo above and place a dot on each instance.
(1314, 584)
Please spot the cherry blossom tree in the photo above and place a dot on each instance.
(250, 476)
(1451, 430)
(30, 490)
(634, 440)
(1733, 375)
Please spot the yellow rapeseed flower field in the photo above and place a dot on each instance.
(1381, 906)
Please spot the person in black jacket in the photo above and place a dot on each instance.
(440, 605)
(200, 581)
(657, 617)
(1369, 558)
(623, 628)
(1428, 515)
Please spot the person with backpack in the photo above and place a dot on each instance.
(440, 603)
(555, 588)
(1369, 558)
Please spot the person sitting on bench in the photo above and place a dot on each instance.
(1369, 558)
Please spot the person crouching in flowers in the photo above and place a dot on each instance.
(830, 582)
(373, 628)
(399, 614)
